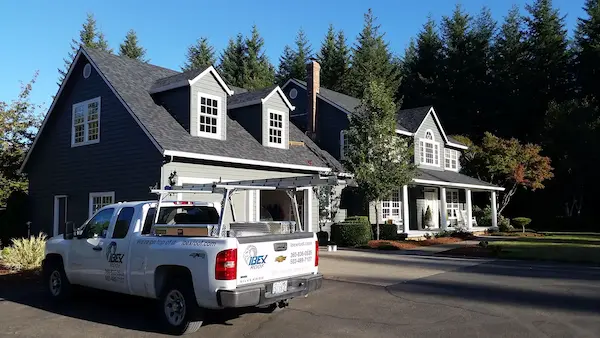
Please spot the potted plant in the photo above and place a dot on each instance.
(427, 219)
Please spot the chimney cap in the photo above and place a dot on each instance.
(312, 59)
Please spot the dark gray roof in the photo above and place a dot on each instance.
(132, 79)
(449, 176)
(250, 96)
(453, 140)
(349, 103)
(410, 119)
(178, 77)
(237, 90)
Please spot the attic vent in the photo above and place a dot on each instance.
(293, 93)
(87, 70)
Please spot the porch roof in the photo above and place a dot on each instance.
(452, 179)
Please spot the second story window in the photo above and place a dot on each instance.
(209, 116)
(451, 159)
(344, 144)
(276, 129)
(429, 150)
(86, 122)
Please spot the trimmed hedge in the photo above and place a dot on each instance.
(352, 232)
(386, 232)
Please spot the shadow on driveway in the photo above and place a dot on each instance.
(103, 307)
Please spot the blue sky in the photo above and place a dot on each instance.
(36, 35)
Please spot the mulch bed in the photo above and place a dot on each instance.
(471, 251)
(8, 276)
(408, 244)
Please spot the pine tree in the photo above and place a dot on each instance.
(547, 64)
(232, 64)
(334, 58)
(372, 60)
(90, 37)
(508, 81)
(131, 48)
(259, 72)
(200, 55)
(423, 62)
(587, 51)
(292, 63)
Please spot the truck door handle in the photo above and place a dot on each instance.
(97, 248)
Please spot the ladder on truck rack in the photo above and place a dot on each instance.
(287, 184)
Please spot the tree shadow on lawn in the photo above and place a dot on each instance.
(103, 307)
(558, 240)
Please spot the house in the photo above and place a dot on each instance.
(118, 127)
(439, 185)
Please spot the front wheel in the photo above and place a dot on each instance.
(57, 283)
(178, 310)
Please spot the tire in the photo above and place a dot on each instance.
(58, 286)
(187, 317)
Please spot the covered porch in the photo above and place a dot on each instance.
(438, 201)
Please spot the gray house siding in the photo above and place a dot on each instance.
(208, 85)
(429, 123)
(251, 119)
(124, 161)
(276, 103)
(330, 122)
(177, 103)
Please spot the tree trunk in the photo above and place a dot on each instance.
(506, 198)
(377, 218)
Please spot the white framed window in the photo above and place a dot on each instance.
(209, 115)
(391, 207)
(452, 205)
(429, 149)
(99, 200)
(451, 159)
(276, 129)
(344, 144)
(85, 127)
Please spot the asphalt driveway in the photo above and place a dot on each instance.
(420, 296)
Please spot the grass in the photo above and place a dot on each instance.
(408, 244)
(571, 248)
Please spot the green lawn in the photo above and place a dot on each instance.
(574, 248)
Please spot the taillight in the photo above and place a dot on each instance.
(225, 268)
(316, 253)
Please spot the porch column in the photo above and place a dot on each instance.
(494, 211)
(469, 209)
(405, 215)
(444, 224)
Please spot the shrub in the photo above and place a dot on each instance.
(386, 231)
(323, 237)
(504, 224)
(25, 253)
(352, 232)
(521, 222)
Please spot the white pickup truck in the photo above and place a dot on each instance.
(186, 257)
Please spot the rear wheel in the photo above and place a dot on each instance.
(57, 283)
(178, 310)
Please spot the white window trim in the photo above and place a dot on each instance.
(390, 201)
(343, 144)
(283, 128)
(98, 194)
(85, 122)
(434, 143)
(449, 203)
(56, 215)
(450, 151)
(219, 116)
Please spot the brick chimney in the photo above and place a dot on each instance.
(313, 70)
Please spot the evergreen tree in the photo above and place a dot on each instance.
(131, 48)
(508, 81)
(372, 60)
(293, 62)
(259, 72)
(200, 55)
(547, 65)
(334, 58)
(232, 64)
(423, 62)
(90, 37)
(587, 50)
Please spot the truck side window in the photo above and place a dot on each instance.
(98, 225)
(148, 221)
(123, 222)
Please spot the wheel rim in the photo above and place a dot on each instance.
(175, 308)
(55, 283)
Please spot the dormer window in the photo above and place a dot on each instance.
(209, 116)
(276, 129)
(429, 149)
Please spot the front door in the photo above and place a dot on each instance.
(60, 214)
(432, 201)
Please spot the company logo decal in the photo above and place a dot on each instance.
(197, 254)
(280, 259)
(111, 254)
(253, 259)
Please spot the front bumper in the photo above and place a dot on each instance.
(260, 294)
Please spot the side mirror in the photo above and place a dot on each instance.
(69, 230)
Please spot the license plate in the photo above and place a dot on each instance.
(279, 287)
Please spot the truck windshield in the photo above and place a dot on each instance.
(192, 214)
